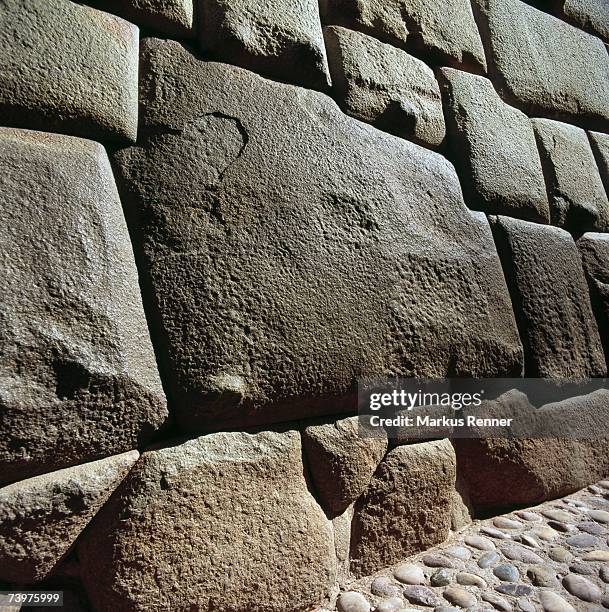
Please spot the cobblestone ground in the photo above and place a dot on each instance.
(553, 557)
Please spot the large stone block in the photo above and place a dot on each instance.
(341, 461)
(78, 376)
(222, 522)
(578, 201)
(545, 66)
(385, 86)
(600, 147)
(444, 33)
(41, 517)
(171, 17)
(544, 272)
(68, 68)
(595, 255)
(407, 507)
(494, 148)
(502, 473)
(290, 251)
(591, 15)
(280, 39)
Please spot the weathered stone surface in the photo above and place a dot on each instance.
(462, 510)
(280, 39)
(378, 83)
(224, 521)
(591, 15)
(509, 472)
(341, 461)
(277, 280)
(445, 33)
(600, 147)
(342, 545)
(406, 508)
(494, 148)
(543, 65)
(68, 68)
(172, 17)
(78, 376)
(41, 517)
(550, 296)
(594, 249)
(578, 201)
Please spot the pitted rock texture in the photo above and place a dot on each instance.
(41, 517)
(171, 17)
(600, 147)
(68, 68)
(295, 280)
(578, 201)
(494, 148)
(591, 15)
(385, 86)
(594, 249)
(503, 472)
(229, 525)
(444, 33)
(78, 376)
(543, 65)
(341, 461)
(280, 39)
(406, 508)
(542, 561)
(551, 300)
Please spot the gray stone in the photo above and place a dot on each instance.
(592, 528)
(273, 320)
(382, 586)
(495, 533)
(441, 578)
(502, 522)
(551, 299)
(41, 517)
(596, 555)
(171, 17)
(555, 514)
(458, 552)
(487, 559)
(405, 508)
(444, 34)
(543, 576)
(590, 15)
(394, 604)
(578, 201)
(600, 147)
(515, 552)
(515, 590)
(459, 597)
(467, 579)
(582, 588)
(602, 516)
(226, 506)
(506, 572)
(497, 602)
(560, 554)
(564, 527)
(532, 517)
(493, 146)
(438, 560)
(479, 542)
(553, 602)
(408, 573)
(582, 568)
(422, 596)
(78, 376)
(582, 540)
(68, 68)
(282, 39)
(341, 461)
(352, 602)
(604, 573)
(528, 540)
(547, 534)
(545, 66)
(385, 86)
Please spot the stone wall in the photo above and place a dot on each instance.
(216, 216)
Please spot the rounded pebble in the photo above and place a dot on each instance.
(459, 552)
(582, 588)
(479, 543)
(582, 568)
(514, 552)
(422, 596)
(383, 587)
(599, 515)
(604, 573)
(409, 573)
(552, 602)
(389, 605)
(592, 528)
(557, 515)
(526, 606)
(542, 576)
(503, 522)
(467, 579)
(596, 555)
(582, 540)
(487, 559)
(506, 572)
(545, 533)
(441, 578)
(532, 517)
(528, 540)
(560, 554)
(439, 561)
(564, 527)
(497, 602)
(515, 590)
(352, 602)
(459, 597)
(495, 533)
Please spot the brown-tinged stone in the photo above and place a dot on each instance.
(78, 376)
(223, 521)
(406, 508)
